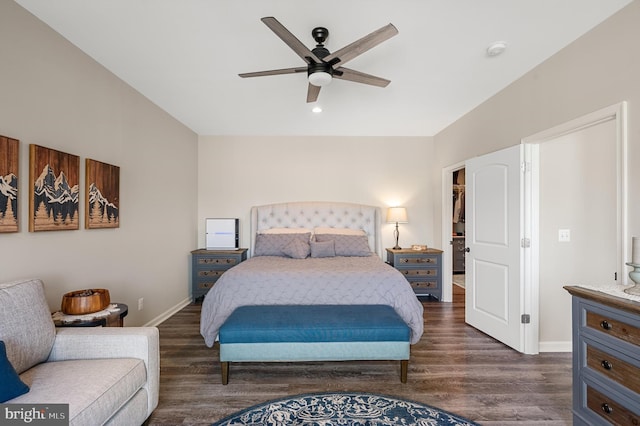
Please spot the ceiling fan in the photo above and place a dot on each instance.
(322, 65)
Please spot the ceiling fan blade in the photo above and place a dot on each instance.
(360, 46)
(360, 77)
(273, 72)
(303, 51)
(312, 93)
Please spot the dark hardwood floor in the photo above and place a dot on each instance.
(453, 367)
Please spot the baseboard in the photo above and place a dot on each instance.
(555, 346)
(167, 314)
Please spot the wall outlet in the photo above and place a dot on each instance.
(564, 235)
(140, 303)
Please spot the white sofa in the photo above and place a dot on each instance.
(107, 375)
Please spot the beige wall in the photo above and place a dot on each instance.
(55, 96)
(236, 173)
(598, 70)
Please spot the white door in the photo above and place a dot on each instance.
(493, 296)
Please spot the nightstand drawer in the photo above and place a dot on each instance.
(205, 285)
(415, 260)
(421, 285)
(419, 272)
(210, 273)
(223, 261)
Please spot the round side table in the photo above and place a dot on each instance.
(114, 319)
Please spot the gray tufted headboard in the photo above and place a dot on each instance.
(311, 214)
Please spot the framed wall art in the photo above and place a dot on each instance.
(54, 181)
(9, 160)
(102, 195)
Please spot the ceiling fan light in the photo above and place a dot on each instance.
(320, 78)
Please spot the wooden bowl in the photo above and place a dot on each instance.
(85, 301)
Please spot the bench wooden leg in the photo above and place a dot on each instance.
(404, 366)
(225, 372)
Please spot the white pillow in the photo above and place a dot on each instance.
(285, 231)
(339, 231)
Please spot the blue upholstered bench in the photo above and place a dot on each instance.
(285, 333)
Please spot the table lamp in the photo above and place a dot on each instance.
(397, 215)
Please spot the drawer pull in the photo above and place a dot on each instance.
(607, 408)
(606, 365)
(605, 324)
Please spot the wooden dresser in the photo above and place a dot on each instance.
(606, 358)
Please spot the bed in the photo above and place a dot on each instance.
(312, 253)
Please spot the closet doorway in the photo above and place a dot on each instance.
(450, 176)
(458, 228)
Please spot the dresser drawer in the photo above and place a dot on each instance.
(613, 327)
(612, 367)
(608, 408)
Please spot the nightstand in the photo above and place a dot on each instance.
(208, 265)
(422, 268)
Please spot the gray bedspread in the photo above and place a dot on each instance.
(270, 280)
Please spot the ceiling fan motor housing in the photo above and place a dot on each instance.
(320, 34)
(320, 74)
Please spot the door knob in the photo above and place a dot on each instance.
(467, 249)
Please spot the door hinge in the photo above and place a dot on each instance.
(615, 276)
(525, 242)
(525, 166)
(525, 319)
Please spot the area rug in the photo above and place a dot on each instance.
(344, 409)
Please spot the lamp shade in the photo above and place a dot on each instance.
(397, 215)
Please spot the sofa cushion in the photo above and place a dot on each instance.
(25, 323)
(12, 386)
(94, 389)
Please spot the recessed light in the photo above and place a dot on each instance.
(316, 109)
(496, 48)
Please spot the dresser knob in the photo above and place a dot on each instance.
(606, 365)
(606, 408)
(604, 324)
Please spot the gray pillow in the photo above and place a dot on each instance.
(322, 249)
(347, 245)
(297, 249)
(274, 244)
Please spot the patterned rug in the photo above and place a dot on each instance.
(344, 409)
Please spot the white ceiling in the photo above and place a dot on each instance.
(185, 56)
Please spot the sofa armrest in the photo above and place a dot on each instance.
(113, 342)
